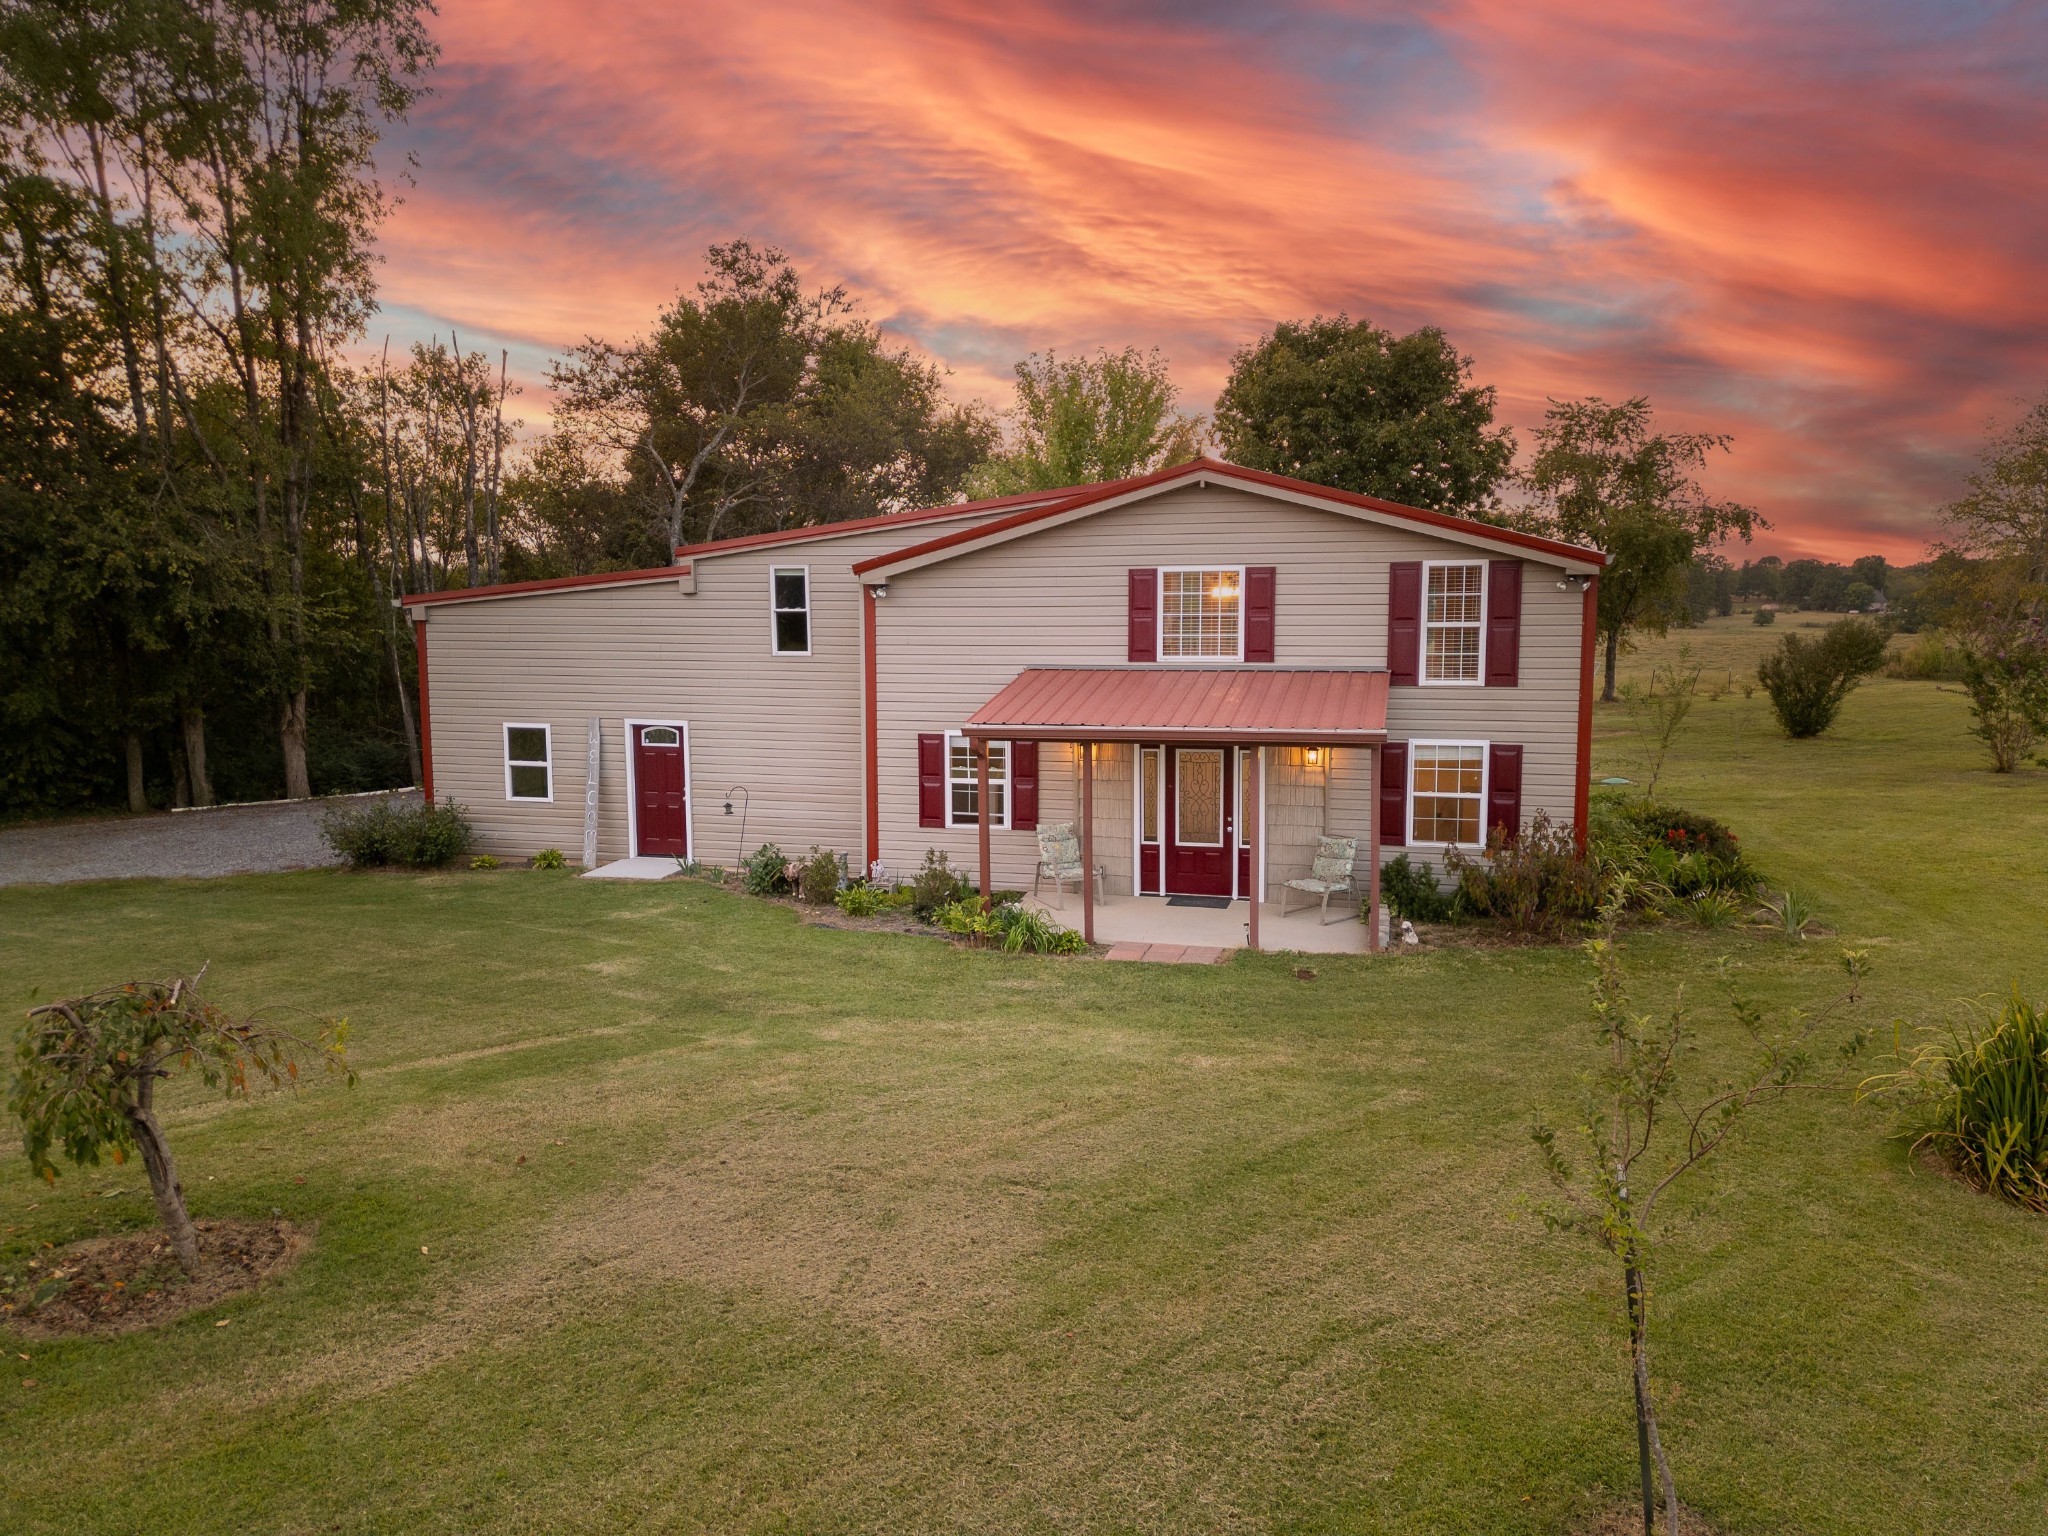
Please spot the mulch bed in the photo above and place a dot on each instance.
(109, 1285)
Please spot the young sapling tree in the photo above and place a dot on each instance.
(87, 1068)
(1642, 1133)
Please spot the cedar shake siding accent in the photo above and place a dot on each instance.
(952, 633)
(788, 728)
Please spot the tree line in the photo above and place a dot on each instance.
(212, 488)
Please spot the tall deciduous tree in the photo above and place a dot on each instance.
(1600, 476)
(2003, 512)
(1083, 419)
(1346, 403)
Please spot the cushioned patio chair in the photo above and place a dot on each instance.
(1329, 876)
(1059, 860)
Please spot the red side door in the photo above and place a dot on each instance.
(1201, 836)
(661, 818)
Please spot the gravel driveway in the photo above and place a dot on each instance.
(223, 840)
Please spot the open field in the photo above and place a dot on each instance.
(820, 1232)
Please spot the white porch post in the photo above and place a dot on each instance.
(1372, 917)
(981, 809)
(1088, 841)
(1254, 804)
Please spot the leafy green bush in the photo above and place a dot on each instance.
(1016, 927)
(1982, 1101)
(1538, 884)
(862, 900)
(391, 832)
(969, 918)
(1763, 617)
(765, 872)
(1668, 856)
(2005, 672)
(817, 879)
(1409, 890)
(551, 858)
(484, 861)
(1933, 656)
(1808, 679)
(935, 886)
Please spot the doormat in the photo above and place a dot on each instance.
(1216, 903)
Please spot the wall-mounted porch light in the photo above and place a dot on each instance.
(1313, 756)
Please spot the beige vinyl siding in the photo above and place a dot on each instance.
(787, 728)
(953, 633)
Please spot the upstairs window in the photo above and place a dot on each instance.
(1201, 615)
(789, 589)
(529, 762)
(963, 788)
(1453, 621)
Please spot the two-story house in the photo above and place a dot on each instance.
(1205, 669)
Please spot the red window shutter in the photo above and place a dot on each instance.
(1503, 623)
(1024, 786)
(1504, 790)
(1393, 793)
(1404, 625)
(1144, 641)
(1259, 581)
(931, 779)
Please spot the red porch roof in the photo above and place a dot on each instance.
(1170, 703)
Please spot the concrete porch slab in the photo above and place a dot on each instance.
(1149, 921)
(640, 867)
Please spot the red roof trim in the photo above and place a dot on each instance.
(1208, 466)
(866, 524)
(553, 584)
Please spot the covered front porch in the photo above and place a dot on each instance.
(1214, 762)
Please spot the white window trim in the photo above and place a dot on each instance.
(1007, 779)
(774, 648)
(505, 742)
(1159, 616)
(1422, 661)
(1485, 789)
(631, 729)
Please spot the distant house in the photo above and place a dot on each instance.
(1224, 664)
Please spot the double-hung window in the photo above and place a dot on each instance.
(1446, 791)
(963, 787)
(1201, 615)
(529, 762)
(1453, 621)
(789, 602)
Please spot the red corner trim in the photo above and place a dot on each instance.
(419, 637)
(870, 744)
(554, 584)
(1582, 797)
(1208, 466)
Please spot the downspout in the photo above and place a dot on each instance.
(1582, 796)
(870, 742)
(419, 633)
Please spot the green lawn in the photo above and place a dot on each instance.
(818, 1231)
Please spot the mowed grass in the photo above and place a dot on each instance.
(819, 1232)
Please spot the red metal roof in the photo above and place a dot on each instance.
(1294, 704)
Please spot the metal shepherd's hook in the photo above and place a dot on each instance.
(740, 857)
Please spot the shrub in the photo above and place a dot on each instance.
(1790, 912)
(1016, 927)
(862, 900)
(550, 858)
(817, 880)
(390, 832)
(970, 918)
(2005, 672)
(935, 886)
(1808, 679)
(1931, 657)
(1409, 890)
(1668, 855)
(1538, 884)
(1982, 1101)
(484, 861)
(1763, 617)
(764, 872)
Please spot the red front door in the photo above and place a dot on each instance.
(1201, 834)
(661, 821)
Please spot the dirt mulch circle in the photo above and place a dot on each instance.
(110, 1285)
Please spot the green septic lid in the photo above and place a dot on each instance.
(1617, 781)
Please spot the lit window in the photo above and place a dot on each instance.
(1446, 790)
(1201, 614)
(790, 599)
(1149, 826)
(529, 763)
(963, 789)
(1452, 624)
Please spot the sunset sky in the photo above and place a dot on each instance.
(1820, 225)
